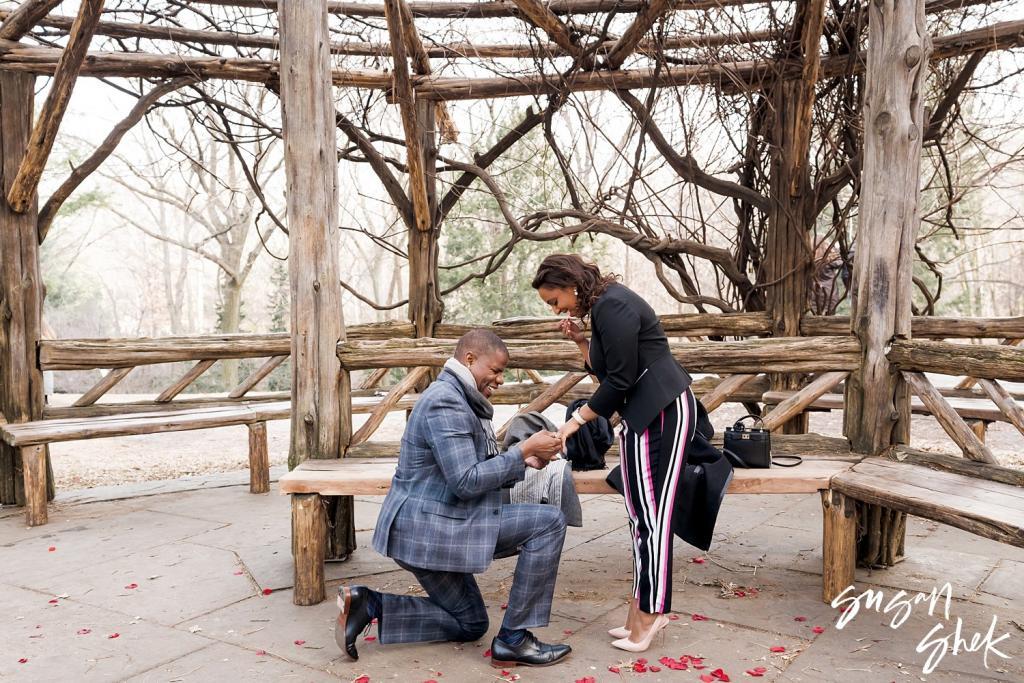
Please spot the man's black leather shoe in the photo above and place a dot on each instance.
(530, 652)
(353, 618)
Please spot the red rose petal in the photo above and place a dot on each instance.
(504, 605)
(52, 549)
(54, 601)
(778, 648)
(23, 660)
(818, 629)
(586, 679)
(698, 617)
(654, 668)
(362, 679)
(567, 632)
(84, 631)
(239, 572)
(799, 618)
(260, 653)
(370, 639)
(756, 673)
(374, 620)
(720, 675)
(430, 681)
(505, 672)
(131, 586)
(113, 635)
(268, 591)
(673, 617)
(706, 678)
(613, 669)
(300, 642)
(739, 594)
(697, 560)
(487, 652)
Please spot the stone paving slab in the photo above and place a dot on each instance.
(223, 662)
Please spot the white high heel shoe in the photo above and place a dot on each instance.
(642, 645)
(619, 632)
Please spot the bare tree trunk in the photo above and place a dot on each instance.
(230, 323)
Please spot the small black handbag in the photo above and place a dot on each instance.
(752, 447)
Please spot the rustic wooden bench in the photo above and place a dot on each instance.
(31, 439)
(313, 479)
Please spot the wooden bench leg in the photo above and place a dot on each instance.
(309, 547)
(33, 464)
(839, 543)
(259, 458)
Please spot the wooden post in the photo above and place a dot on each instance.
(321, 423)
(33, 460)
(259, 458)
(839, 541)
(309, 536)
(21, 296)
(877, 413)
(789, 250)
(425, 306)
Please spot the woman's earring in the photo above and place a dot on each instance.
(575, 291)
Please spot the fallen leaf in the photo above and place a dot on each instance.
(818, 629)
(113, 635)
(777, 648)
(698, 617)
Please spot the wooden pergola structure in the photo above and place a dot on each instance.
(883, 351)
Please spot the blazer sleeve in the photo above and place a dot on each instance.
(450, 430)
(618, 325)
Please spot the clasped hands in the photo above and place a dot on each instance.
(541, 448)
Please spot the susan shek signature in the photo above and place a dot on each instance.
(938, 641)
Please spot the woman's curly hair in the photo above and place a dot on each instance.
(570, 270)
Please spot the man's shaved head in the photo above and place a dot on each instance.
(480, 343)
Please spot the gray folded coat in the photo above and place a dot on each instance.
(552, 485)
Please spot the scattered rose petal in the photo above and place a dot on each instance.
(362, 679)
(673, 617)
(52, 549)
(613, 669)
(757, 672)
(654, 668)
(504, 606)
(818, 629)
(300, 642)
(706, 678)
(639, 667)
(800, 618)
(113, 635)
(567, 632)
(23, 660)
(370, 639)
(239, 572)
(844, 608)
(54, 601)
(586, 679)
(374, 620)
(131, 586)
(778, 648)
(84, 631)
(698, 617)
(740, 594)
(487, 652)
(720, 675)
(697, 560)
(430, 681)
(268, 591)
(260, 653)
(505, 672)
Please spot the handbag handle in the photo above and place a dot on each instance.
(738, 426)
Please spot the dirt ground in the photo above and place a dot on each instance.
(104, 462)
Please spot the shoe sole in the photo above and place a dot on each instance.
(344, 604)
(497, 664)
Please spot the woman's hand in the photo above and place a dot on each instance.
(570, 330)
(567, 430)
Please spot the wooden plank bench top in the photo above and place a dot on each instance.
(101, 426)
(372, 477)
(987, 508)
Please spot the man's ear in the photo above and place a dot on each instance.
(469, 359)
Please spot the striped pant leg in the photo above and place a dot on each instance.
(653, 464)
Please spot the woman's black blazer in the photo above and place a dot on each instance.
(630, 355)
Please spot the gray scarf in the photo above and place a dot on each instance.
(481, 407)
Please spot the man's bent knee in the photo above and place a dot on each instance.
(472, 631)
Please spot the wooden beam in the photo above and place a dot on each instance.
(798, 402)
(106, 383)
(635, 32)
(726, 388)
(23, 192)
(374, 378)
(1013, 412)
(546, 399)
(403, 94)
(194, 373)
(984, 361)
(24, 17)
(541, 16)
(949, 420)
(407, 384)
(810, 56)
(257, 376)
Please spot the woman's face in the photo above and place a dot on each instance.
(560, 299)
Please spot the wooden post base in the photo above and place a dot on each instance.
(33, 463)
(839, 548)
(309, 547)
(259, 458)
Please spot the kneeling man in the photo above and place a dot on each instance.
(443, 520)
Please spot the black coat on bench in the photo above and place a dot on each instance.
(702, 489)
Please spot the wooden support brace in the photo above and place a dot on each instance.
(33, 463)
(546, 399)
(726, 388)
(407, 384)
(1002, 398)
(632, 35)
(191, 376)
(949, 419)
(259, 458)
(374, 378)
(103, 386)
(309, 548)
(798, 402)
(543, 18)
(534, 376)
(979, 427)
(22, 193)
(839, 543)
(257, 376)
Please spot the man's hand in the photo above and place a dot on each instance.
(535, 462)
(543, 446)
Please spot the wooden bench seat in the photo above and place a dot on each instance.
(31, 439)
(987, 508)
(355, 476)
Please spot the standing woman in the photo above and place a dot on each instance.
(641, 381)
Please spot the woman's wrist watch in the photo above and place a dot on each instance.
(577, 417)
